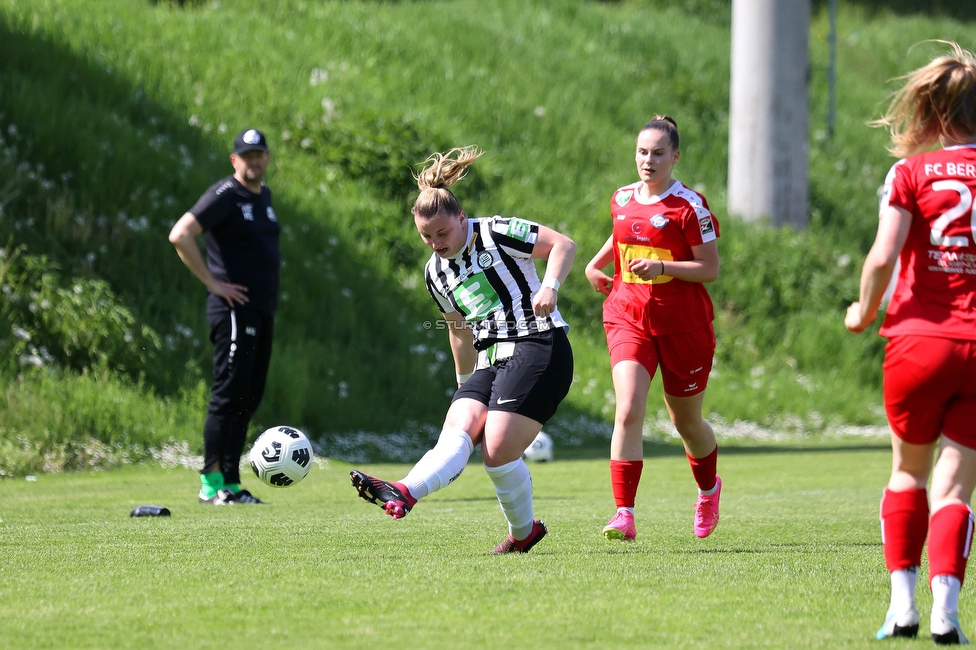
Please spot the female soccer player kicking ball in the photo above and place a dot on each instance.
(927, 223)
(513, 360)
(657, 312)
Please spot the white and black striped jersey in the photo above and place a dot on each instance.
(492, 280)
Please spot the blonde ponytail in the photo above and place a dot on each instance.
(937, 99)
(441, 171)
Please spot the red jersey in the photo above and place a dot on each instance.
(935, 293)
(665, 229)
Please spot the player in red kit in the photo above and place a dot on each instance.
(927, 222)
(658, 313)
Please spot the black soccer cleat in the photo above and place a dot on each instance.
(245, 497)
(899, 624)
(395, 501)
(945, 628)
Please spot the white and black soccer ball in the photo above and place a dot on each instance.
(281, 456)
(540, 451)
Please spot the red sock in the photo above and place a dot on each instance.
(904, 525)
(704, 469)
(625, 476)
(411, 502)
(950, 537)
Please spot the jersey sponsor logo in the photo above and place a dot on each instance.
(518, 229)
(247, 210)
(630, 252)
(952, 262)
(706, 226)
(250, 330)
(659, 221)
(223, 188)
(476, 297)
(271, 214)
(623, 198)
(485, 260)
(636, 228)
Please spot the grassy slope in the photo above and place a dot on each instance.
(321, 567)
(142, 99)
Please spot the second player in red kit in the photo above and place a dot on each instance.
(658, 314)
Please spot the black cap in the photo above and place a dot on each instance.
(250, 140)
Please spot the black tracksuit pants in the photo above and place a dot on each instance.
(242, 353)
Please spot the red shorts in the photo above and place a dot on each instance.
(930, 389)
(685, 358)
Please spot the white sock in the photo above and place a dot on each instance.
(513, 485)
(708, 493)
(945, 593)
(630, 510)
(440, 465)
(903, 584)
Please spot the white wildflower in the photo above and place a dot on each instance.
(318, 76)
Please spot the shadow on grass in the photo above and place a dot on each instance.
(636, 548)
(597, 450)
(789, 448)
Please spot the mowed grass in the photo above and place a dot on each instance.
(795, 562)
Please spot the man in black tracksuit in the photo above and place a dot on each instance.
(241, 233)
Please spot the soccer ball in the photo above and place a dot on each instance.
(281, 456)
(540, 451)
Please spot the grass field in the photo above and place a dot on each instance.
(796, 561)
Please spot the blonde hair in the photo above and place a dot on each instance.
(937, 99)
(441, 170)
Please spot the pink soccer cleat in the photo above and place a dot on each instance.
(621, 527)
(706, 511)
(394, 498)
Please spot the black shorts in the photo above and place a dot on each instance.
(531, 382)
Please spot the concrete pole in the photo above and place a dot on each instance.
(768, 111)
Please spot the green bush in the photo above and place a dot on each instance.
(76, 324)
